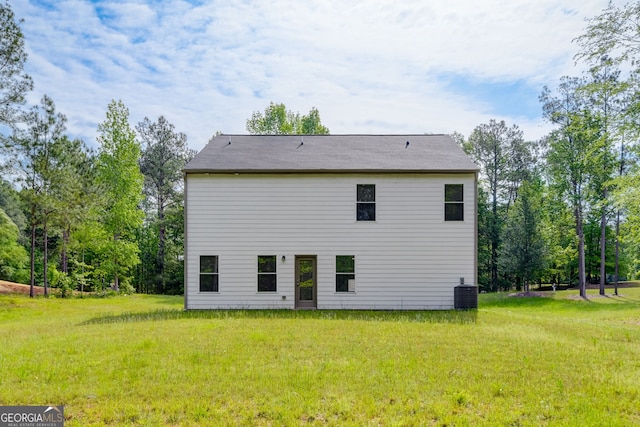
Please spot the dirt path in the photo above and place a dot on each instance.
(17, 288)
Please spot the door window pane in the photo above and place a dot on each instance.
(305, 279)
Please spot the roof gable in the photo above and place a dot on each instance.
(330, 153)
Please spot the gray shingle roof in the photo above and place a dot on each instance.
(330, 153)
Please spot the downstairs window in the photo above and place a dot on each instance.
(345, 273)
(208, 273)
(267, 280)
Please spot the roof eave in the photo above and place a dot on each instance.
(327, 171)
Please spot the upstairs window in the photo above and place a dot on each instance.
(366, 203)
(267, 280)
(209, 273)
(345, 273)
(453, 202)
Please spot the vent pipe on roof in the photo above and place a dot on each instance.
(407, 146)
(229, 141)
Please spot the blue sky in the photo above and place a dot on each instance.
(369, 66)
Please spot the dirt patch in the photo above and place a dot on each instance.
(17, 288)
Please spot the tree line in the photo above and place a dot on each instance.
(75, 218)
(564, 209)
(81, 219)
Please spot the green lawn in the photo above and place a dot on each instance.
(141, 360)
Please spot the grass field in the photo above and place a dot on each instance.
(141, 360)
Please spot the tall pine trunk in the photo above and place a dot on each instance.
(64, 257)
(620, 173)
(32, 274)
(581, 260)
(116, 280)
(603, 245)
(615, 288)
(161, 244)
(494, 227)
(45, 268)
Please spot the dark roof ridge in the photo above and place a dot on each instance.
(342, 153)
(334, 134)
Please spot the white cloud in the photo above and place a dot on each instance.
(369, 66)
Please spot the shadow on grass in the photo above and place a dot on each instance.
(593, 302)
(446, 316)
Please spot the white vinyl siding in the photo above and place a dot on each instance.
(409, 258)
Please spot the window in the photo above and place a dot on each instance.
(366, 206)
(267, 273)
(453, 202)
(208, 273)
(345, 273)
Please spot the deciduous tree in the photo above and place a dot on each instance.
(13, 257)
(574, 160)
(10, 203)
(14, 82)
(121, 182)
(277, 120)
(615, 34)
(612, 39)
(606, 98)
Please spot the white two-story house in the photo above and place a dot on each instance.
(329, 222)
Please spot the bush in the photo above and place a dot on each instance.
(61, 281)
(14, 259)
